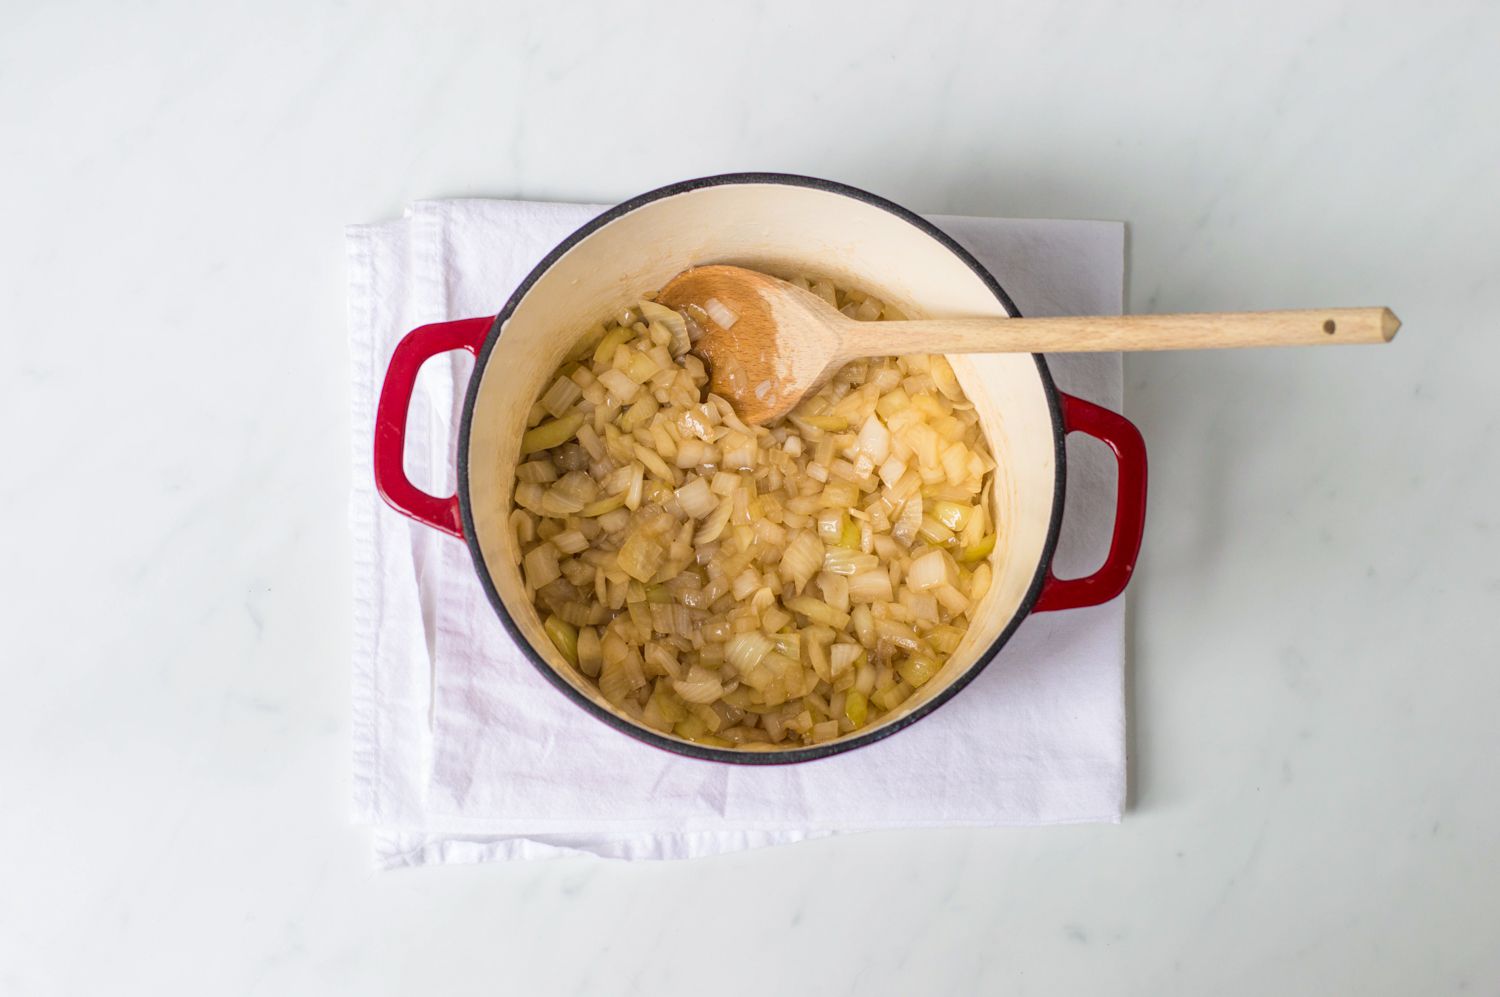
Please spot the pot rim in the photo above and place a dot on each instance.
(705, 752)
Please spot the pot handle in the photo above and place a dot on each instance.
(415, 349)
(1121, 436)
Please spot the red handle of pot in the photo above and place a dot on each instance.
(418, 346)
(1121, 436)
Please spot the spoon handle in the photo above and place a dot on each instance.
(1309, 327)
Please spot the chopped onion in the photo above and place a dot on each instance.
(604, 505)
(691, 453)
(978, 551)
(856, 708)
(843, 561)
(818, 612)
(522, 526)
(540, 565)
(789, 644)
(699, 686)
(747, 650)
(637, 485)
(713, 527)
(930, 569)
(722, 316)
(614, 521)
(942, 376)
(747, 582)
(751, 586)
(923, 606)
(874, 439)
(891, 403)
(843, 658)
(952, 515)
(952, 599)
(540, 471)
(979, 584)
(573, 491)
(662, 659)
(956, 462)
(936, 533)
(870, 586)
(739, 452)
(890, 698)
(561, 397)
(571, 542)
(906, 526)
(551, 434)
(529, 495)
(590, 656)
(835, 589)
(613, 682)
(653, 463)
(564, 637)
(605, 352)
(640, 365)
(695, 498)
(673, 321)
(829, 423)
(641, 556)
(825, 731)
(620, 385)
(899, 634)
(802, 559)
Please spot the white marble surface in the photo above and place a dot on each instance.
(1314, 678)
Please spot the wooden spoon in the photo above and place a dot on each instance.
(784, 342)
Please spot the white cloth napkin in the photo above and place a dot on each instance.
(462, 753)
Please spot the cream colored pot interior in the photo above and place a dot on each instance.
(783, 230)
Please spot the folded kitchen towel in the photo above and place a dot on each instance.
(463, 753)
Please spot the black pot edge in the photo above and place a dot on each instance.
(709, 752)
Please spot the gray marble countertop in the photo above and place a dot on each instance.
(1314, 643)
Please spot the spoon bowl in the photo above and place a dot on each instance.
(781, 343)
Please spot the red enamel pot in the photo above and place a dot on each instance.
(780, 224)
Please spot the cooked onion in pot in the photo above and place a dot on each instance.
(757, 587)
